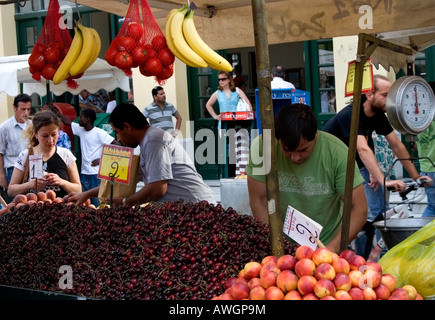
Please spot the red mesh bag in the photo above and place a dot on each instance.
(125, 51)
(161, 59)
(52, 45)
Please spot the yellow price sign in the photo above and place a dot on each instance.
(367, 84)
(115, 163)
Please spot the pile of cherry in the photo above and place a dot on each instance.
(173, 250)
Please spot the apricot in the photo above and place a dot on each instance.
(31, 196)
(20, 198)
(50, 194)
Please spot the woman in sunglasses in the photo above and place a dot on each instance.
(227, 97)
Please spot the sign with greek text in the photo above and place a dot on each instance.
(367, 82)
(115, 163)
(301, 228)
(35, 166)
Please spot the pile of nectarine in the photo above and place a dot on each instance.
(315, 275)
(30, 198)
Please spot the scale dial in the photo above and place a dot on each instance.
(410, 105)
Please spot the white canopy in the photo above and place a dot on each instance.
(101, 75)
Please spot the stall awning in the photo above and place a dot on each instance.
(101, 75)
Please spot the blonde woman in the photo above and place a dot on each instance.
(227, 97)
(60, 172)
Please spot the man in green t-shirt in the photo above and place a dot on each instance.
(311, 173)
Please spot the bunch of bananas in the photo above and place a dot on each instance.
(187, 45)
(84, 50)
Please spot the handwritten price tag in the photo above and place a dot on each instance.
(115, 163)
(299, 227)
(35, 166)
(367, 84)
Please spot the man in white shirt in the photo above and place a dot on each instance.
(278, 82)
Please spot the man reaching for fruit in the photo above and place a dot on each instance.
(312, 174)
(165, 168)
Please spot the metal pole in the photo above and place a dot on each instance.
(267, 124)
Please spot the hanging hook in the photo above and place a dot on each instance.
(78, 11)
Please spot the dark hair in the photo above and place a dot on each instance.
(127, 112)
(90, 114)
(294, 122)
(22, 97)
(155, 90)
(39, 120)
(278, 71)
(238, 68)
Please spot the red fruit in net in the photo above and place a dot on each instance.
(52, 54)
(124, 60)
(154, 66)
(140, 55)
(48, 71)
(159, 42)
(37, 61)
(125, 44)
(110, 56)
(166, 73)
(134, 30)
(166, 57)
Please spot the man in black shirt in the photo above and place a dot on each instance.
(373, 118)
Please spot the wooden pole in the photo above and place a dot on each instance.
(267, 124)
(364, 52)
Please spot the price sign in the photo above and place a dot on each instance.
(35, 166)
(299, 227)
(115, 163)
(367, 84)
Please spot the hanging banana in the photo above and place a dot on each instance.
(90, 50)
(213, 59)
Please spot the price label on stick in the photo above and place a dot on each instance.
(115, 163)
(35, 166)
(301, 228)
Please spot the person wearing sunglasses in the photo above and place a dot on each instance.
(227, 97)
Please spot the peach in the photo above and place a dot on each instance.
(328, 298)
(306, 284)
(370, 278)
(356, 262)
(355, 277)
(229, 282)
(50, 194)
(31, 196)
(303, 252)
(226, 296)
(322, 255)
(356, 294)
(268, 279)
(287, 281)
(293, 295)
(269, 267)
(341, 265)
(310, 296)
(42, 196)
(305, 267)
(323, 288)
(274, 293)
(419, 297)
(382, 292)
(334, 257)
(58, 200)
(239, 291)
(20, 198)
(324, 271)
(412, 292)
(369, 293)
(254, 282)
(269, 259)
(342, 295)
(389, 280)
(342, 282)
(374, 266)
(347, 254)
(399, 294)
(257, 293)
(252, 270)
(286, 262)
